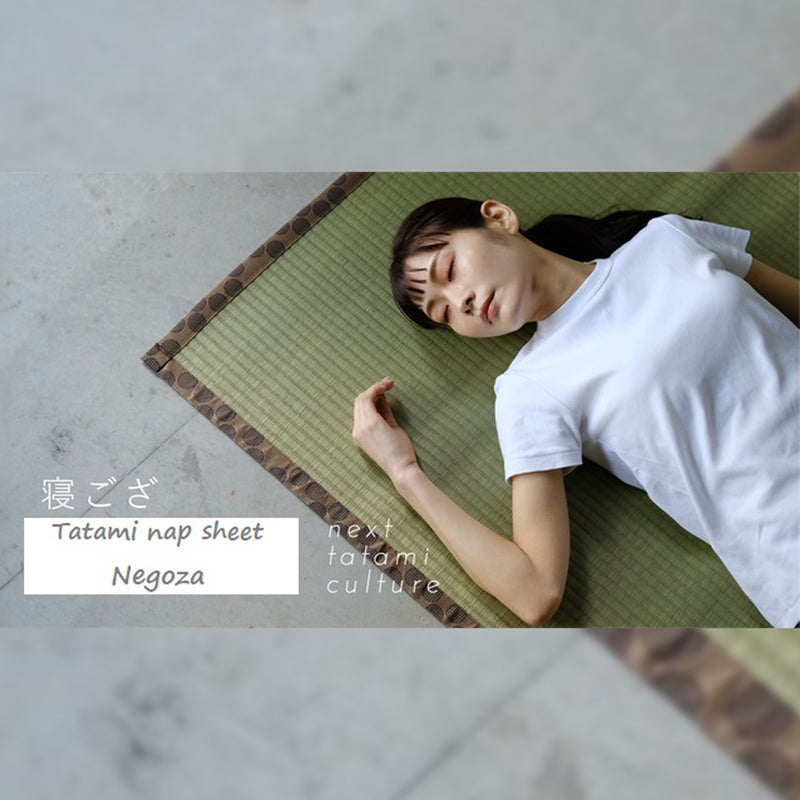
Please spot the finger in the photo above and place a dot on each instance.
(369, 396)
(382, 406)
(377, 389)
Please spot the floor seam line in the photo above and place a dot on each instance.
(453, 747)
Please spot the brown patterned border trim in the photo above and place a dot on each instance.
(718, 692)
(248, 270)
(774, 146)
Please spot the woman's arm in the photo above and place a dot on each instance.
(528, 574)
(780, 289)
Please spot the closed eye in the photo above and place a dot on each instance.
(450, 271)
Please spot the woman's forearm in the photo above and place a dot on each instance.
(495, 563)
(780, 289)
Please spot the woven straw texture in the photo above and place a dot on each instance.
(290, 352)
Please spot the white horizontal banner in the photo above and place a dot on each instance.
(161, 555)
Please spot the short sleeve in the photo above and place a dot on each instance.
(536, 432)
(727, 242)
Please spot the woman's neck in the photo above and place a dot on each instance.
(556, 279)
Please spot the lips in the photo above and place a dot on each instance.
(485, 308)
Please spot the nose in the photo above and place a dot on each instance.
(458, 297)
(463, 300)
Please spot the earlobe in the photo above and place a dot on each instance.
(500, 215)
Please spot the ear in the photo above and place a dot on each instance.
(499, 216)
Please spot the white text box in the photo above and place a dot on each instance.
(161, 555)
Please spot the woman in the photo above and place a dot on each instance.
(663, 351)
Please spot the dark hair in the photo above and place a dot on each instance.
(427, 228)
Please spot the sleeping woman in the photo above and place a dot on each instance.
(663, 351)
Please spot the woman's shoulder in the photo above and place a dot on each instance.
(729, 242)
(677, 228)
(702, 231)
(520, 386)
(658, 226)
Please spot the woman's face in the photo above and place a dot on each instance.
(480, 283)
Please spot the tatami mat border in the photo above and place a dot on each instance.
(248, 270)
(773, 146)
(413, 581)
(710, 685)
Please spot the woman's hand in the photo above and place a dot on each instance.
(377, 433)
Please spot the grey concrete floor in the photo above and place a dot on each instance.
(329, 715)
(97, 269)
(307, 84)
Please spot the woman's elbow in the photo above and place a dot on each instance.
(542, 609)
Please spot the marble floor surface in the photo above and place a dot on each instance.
(331, 715)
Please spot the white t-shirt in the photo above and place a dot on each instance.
(669, 370)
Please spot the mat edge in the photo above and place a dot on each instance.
(709, 684)
(170, 345)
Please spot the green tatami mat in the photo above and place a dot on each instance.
(290, 351)
(772, 656)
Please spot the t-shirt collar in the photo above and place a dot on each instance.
(577, 300)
